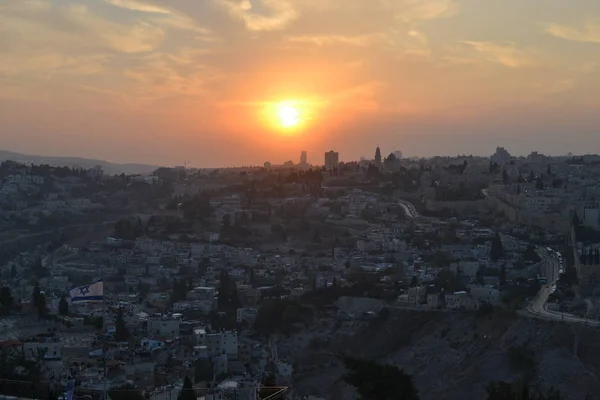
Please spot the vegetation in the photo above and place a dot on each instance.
(374, 381)
(6, 297)
(497, 251)
(38, 300)
(520, 391)
(278, 315)
(121, 331)
(187, 392)
(268, 387)
(63, 306)
(522, 358)
(125, 392)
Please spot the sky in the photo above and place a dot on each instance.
(168, 81)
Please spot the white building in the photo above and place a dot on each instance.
(167, 327)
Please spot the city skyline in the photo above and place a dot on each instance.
(224, 82)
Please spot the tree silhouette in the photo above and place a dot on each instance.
(374, 381)
(121, 331)
(63, 306)
(497, 251)
(39, 300)
(520, 391)
(6, 298)
(187, 392)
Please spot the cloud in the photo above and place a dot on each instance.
(589, 33)
(415, 11)
(137, 38)
(161, 16)
(328, 40)
(135, 5)
(506, 54)
(278, 13)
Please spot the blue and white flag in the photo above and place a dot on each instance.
(92, 292)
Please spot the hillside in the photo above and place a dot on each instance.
(452, 355)
(108, 167)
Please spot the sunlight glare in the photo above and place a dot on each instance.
(288, 115)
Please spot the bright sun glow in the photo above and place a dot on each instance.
(288, 115)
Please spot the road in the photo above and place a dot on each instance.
(538, 307)
(408, 208)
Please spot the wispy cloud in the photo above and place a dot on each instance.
(506, 53)
(278, 13)
(589, 33)
(328, 40)
(415, 11)
(135, 5)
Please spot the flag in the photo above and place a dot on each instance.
(92, 292)
(70, 389)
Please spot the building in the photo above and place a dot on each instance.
(332, 159)
(501, 156)
(303, 158)
(267, 165)
(378, 157)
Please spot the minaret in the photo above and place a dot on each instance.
(378, 157)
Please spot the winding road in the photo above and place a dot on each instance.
(537, 308)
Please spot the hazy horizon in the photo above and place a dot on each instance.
(160, 82)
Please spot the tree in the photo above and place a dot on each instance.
(497, 251)
(374, 381)
(63, 306)
(520, 390)
(414, 281)
(317, 236)
(187, 391)
(125, 392)
(39, 300)
(6, 298)
(13, 271)
(268, 387)
(502, 276)
(479, 275)
(121, 331)
(226, 222)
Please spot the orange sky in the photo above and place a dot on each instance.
(162, 82)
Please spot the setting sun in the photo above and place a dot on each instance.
(288, 115)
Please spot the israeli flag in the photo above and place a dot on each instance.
(86, 293)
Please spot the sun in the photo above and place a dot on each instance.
(288, 115)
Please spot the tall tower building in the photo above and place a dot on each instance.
(304, 158)
(332, 159)
(378, 157)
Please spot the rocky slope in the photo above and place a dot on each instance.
(451, 355)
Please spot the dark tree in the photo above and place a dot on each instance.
(414, 281)
(317, 236)
(502, 276)
(63, 306)
(374, 381)
(121, 331)
(125, 392)
(520, 391)
(187, 392)
(39, 300)
(268, 387)
(497, 251)
(479, 276)
(6, 298)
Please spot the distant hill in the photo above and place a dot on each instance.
(108, 167)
